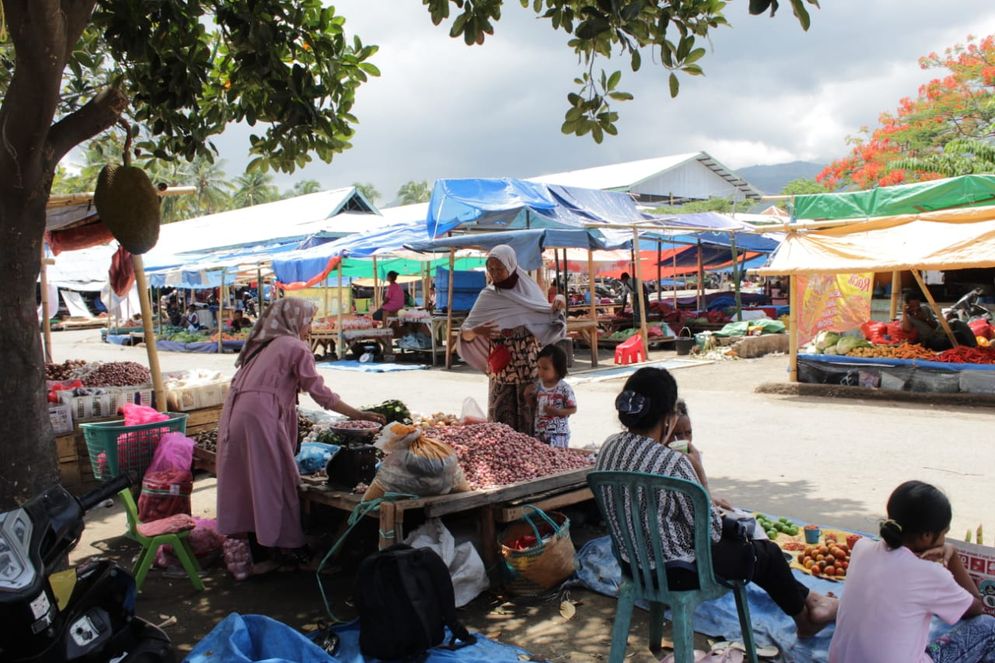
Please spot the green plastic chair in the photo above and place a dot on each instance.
(150, 544)
(650, 584)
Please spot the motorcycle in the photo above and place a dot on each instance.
(967, 308)
(84, 613)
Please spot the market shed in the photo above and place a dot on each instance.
(673, 179)
(940, 225)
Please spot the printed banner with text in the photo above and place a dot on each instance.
(836, 302)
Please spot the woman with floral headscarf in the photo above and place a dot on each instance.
(257, 435)
(510, 321)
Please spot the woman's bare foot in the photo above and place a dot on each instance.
(820, 611)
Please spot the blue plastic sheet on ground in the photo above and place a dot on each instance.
(483, 651)
(882, 361)
(599, 572)
(257, 639)
(373, 367)
(202, 347)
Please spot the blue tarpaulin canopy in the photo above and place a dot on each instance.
(511, 204)
(528, 244)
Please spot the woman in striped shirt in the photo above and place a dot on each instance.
(647, 408)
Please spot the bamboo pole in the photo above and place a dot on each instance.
(594, 308)
(896, 288)
(639, 296)
(150, 347)
(793, 328)
(46, 318)
(449, 310)
(735, 276)
(222, 298)
(701, 279)
(260, 289)
(659, 269)
(937, 311)
(339, 339)
(673, 246)
(376, 285)
(328, 310)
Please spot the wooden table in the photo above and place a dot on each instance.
(500, 504)
(588, 330)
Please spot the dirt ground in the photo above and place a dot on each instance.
(822, 460)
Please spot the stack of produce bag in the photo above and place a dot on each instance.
(168, 482)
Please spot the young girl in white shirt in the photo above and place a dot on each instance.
(896, 585)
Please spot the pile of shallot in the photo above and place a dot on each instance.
(495, 454)
(117, 374)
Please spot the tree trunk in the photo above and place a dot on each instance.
(27, 453)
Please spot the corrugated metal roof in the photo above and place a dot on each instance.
(624, 176)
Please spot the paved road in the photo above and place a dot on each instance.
(830, 461)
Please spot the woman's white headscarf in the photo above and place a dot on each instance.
(524, 304)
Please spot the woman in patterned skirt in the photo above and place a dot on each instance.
(509, 322)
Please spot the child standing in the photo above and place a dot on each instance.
(554, 398)
(895, 586)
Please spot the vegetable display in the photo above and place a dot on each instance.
(830, 559)
(392, 410)
(117, 374)
(65, 371)
(775, 527)
(495, 454)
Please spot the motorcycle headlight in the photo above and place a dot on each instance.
(16, 571)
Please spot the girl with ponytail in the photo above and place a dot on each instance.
(894, 587)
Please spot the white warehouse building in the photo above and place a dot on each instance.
(671, 180)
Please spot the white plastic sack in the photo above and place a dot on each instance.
(465, 566)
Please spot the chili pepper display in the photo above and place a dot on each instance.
(965, 355)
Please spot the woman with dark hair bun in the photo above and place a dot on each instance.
(647, 407)
(896, 585)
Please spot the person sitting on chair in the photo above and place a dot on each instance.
(647, 407)
(930, 334)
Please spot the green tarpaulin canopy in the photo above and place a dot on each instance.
(965, 191)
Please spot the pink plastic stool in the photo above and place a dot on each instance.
(630, 351)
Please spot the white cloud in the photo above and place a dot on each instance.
(772, 92)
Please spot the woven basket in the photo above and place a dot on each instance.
(542, 567)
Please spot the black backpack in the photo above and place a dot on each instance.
(405, 599)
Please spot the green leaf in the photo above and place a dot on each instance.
(620, 96)
(694, 56)
(693, 70)
(801, 13)
(613, 80)
(369, 68)
(637, 60)
(675, 85)
(597, 133)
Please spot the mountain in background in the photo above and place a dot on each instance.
(771, 179)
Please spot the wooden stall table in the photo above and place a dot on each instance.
(500, 504)
(323, 339)
(588, 330)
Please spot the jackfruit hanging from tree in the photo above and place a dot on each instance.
(128, 203)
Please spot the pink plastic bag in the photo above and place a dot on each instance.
(136, 415)
(205, 541)
(174, 452)
(168, 482)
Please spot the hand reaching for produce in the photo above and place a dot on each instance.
(373, 416)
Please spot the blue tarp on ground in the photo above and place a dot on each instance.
(202, 347)
(511, 204)
(914, 363)
(257, 639)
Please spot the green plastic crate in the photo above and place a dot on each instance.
(115, 448)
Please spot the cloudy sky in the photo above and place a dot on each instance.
(772, 93)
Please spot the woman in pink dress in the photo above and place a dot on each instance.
(257, 435)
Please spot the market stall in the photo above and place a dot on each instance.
(831, 260)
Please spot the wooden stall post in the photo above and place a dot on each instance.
(659, 269)
(222, 298)
(328, 309)
(376, 285)
(896, 289)
(735, 276)
(46, 318)
(936, 308)
(449, 310)
(639, 296)
(701, 279)
(793, 328)
(259, 289)
(339, 339)
(150, 348)
(594, 308)
(674, 256)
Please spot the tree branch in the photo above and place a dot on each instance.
(95, 116)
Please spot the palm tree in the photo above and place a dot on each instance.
(302, 188)
(255, 188)
(213, 188)
(368, 190)
(414, 192)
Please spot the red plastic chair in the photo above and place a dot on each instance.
(630, 351)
